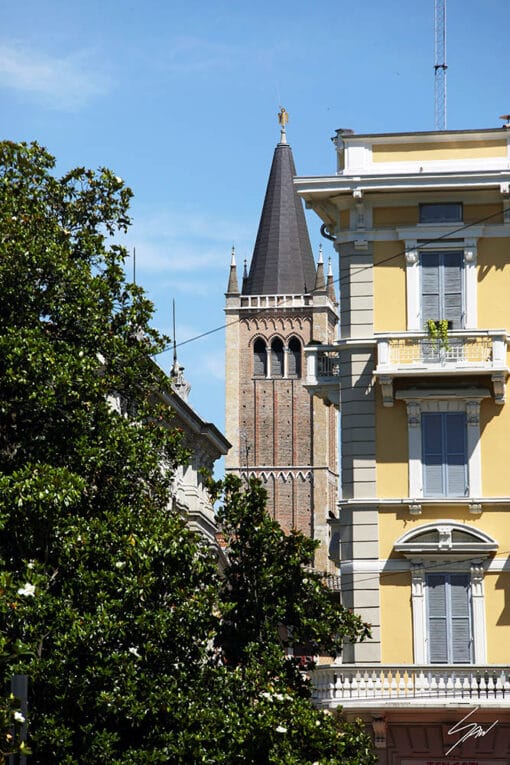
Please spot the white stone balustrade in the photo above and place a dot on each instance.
(421, 685)
(261, 302)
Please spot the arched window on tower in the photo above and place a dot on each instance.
(277, 358)
(294, 358)
(259, 358)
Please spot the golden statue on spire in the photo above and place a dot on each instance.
(283, 117)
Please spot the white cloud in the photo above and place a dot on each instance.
(65, 83)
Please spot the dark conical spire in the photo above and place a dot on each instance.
(282, 262)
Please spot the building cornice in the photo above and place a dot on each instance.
(311, 186)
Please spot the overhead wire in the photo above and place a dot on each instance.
(423, 244)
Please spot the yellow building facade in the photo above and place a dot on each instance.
(421, 223)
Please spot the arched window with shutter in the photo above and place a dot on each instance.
(294, 358)
(277, 358)
(259, 358)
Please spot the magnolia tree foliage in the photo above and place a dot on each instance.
(135, 650)
(272, 601)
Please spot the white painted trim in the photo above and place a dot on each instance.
(432, 401)
(419, 614)
(369, 503)
(415, 321)
(478, 615)
(482, 542)
(399, 566)
(420, 636)
(413, 296)
(470, 282)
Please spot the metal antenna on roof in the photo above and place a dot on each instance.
(440, 64)
(175, 340)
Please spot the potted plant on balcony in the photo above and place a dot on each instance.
(438, 331)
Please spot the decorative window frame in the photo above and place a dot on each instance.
(413, 248)
(426, 555)
(448, 400)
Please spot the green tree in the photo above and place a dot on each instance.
(114, 596)
(273, 600)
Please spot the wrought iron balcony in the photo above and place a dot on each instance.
(411, 354)
(354, 686)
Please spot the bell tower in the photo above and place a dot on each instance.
(279, 432)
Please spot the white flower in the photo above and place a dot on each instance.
(134, 651)
(28, 590)
(18, 717)
(31, 564)
(119, 180)
(281, 729)
(120, 564)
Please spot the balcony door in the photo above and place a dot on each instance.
(442, 290)
(450, 635)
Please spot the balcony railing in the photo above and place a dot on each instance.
(412, 354)
(466, 349)
(323, 372)
(348, 685)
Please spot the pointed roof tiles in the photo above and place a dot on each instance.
(282, 262)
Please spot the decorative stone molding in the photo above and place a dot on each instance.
(418, 611)
(415, 509)
(417, 580)
(411, 257)
(387, 389)
(477, 574)
(473, 413)
(478, 612)
(379, 727)
(498, 381)
(361, 244)
(475, 508)
(413, 414)
(289, 474)
(445, 537)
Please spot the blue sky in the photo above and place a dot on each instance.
(180, 100)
